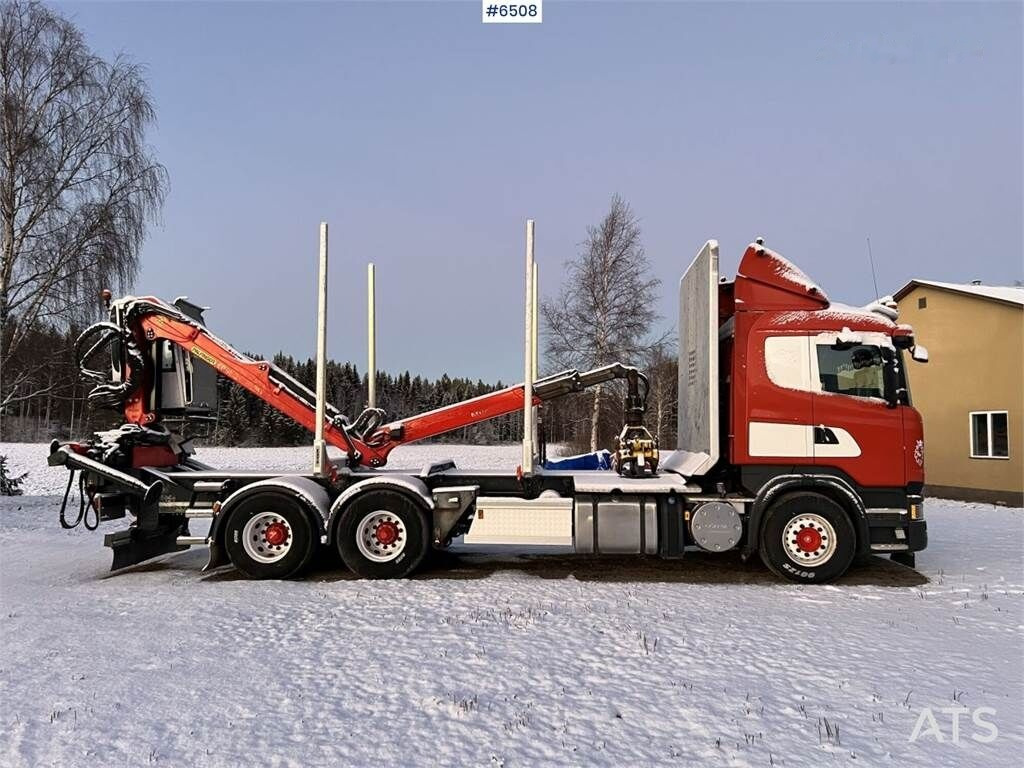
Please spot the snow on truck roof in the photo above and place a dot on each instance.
(763, 265)
(1011, 294)
(791, 273)
(861, 318)
(769, 280)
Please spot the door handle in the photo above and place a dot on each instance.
(825, 436)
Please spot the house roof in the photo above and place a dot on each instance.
(1008, 294)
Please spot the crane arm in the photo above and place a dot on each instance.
(366, 441)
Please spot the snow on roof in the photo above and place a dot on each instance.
(837, 313)
(787, 270)
(1012, 294)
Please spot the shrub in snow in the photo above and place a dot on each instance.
(9, 485)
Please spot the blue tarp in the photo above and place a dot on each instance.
(596, 460)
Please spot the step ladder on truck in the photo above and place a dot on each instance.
(797, 441)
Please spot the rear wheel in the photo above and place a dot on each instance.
(383, 535)
(807, 537)
(269, 536)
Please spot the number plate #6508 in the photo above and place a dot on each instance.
(512, 13)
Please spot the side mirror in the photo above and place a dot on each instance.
(902, 337)
(919, 354)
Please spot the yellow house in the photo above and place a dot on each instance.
(971, 392)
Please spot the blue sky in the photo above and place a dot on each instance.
(426, 139)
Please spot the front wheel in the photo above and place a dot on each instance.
(807, 537)
(383, 535)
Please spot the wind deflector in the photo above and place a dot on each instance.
(698, 435)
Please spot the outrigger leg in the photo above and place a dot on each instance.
(151, 534)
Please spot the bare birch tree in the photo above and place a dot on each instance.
(606, 306)
(78, 185)
(663, 398)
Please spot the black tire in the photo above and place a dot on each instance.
(794, 562)
(301, 540)
(390, 508)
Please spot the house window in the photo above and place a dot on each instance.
(990, 435)
(922, 302)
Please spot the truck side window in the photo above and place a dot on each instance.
(788, 362)
(166, 357)
(188, 377)
(856, 370)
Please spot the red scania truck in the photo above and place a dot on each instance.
(797, 441)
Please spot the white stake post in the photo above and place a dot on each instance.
(527, 461)
(319, 445)
(371, 340)
(536, 324)
(536, 366)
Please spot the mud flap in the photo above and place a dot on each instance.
(134, 545)
(904, 558)
(217, 556)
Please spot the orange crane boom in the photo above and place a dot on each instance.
(367, 441)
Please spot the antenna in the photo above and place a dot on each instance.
(871, 261)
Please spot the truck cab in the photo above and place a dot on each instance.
(811, 398)
(817, 384)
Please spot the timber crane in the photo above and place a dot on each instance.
(154, 347)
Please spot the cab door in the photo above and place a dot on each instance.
(778, 401)
(856, 429)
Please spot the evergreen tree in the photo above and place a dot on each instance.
(234, 422)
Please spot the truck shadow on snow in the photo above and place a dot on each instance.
(694, 568)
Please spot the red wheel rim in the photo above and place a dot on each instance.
(809, 540)
(386, 533)
(276, 534)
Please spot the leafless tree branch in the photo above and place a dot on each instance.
(78, 184)
(606, 307)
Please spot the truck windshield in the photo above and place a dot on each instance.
(855, 370)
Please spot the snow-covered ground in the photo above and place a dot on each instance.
(494, 660)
